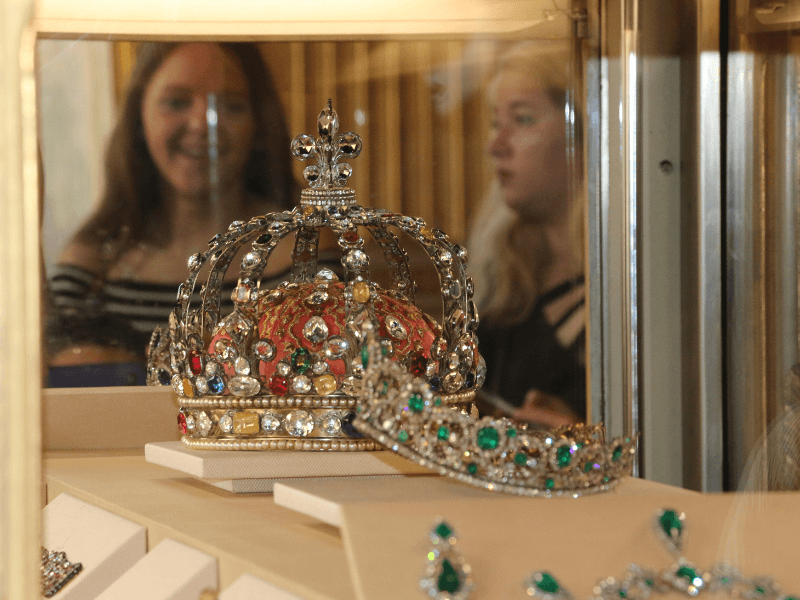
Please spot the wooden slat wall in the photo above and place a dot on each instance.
(423, 114)
(421, 156)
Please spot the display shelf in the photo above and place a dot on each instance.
(378, 552)
(170, 571)
(247, 533)
(257, 472)
(248, 587)
(105, 544)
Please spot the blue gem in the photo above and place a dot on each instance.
(470, 379)
(164, 377)
(347, 426)
(216, 385)
(435, 383)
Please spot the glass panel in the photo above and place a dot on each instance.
(438, 119)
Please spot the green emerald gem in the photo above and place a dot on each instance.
(587, 467)
(437, 402)
(263, 239)
(670, 522)
(520, 458)
(364, 356)
(617, 454)
(385, 389)
(385, 350)
(564, 456)
(488, 438)
(687, 573)
(511, 432)
(549, 483)
(443, 433)
(547, 583)
(623, 593)
(760, 590)
(416, 403)
(443, 530)
(472, 468)
(402, 436)
(649, 582)
(301, 360)
(448, 579)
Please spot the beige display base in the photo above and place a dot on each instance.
(105, 544)
(170, 571)
(97, 418)
(248, 587)
(579, 541)
(257, 472)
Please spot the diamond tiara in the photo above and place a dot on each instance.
(279, 372)
(403, 413)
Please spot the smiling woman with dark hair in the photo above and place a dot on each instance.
(201, 142)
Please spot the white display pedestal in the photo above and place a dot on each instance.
(105, 544)
(248, 472)
(248, 587)
(170, 571)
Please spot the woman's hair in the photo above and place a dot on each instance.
(132, 183)
(507, 253)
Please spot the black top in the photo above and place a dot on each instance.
(530, 356)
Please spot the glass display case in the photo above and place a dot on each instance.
(681, 138)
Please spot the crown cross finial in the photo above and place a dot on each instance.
(328, 150)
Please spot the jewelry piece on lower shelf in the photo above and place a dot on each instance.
(403, 413)
(447, 576)
(683, 576)
(544, 586)
(56, 572)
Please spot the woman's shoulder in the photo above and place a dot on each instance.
(83, 255)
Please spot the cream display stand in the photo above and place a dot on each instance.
(170, 571)
(257, 472)
(104, 543)
(248, 587)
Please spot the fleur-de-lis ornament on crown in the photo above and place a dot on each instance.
(328, 150)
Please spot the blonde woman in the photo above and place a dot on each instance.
(526, 253)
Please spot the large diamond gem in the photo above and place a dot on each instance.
(350, 144)
(453, 382)
(317, 297)
(270, 422)
(264, 349)
(303, 146)
(356, 259)
(330, 423)
(319, 367)
(226, 423)
(301, 384)
(244, 385)
(283, 369)
(315, 330)
(335, 347)
(395, 328)
(201, 383)
(191, 423)
(236, 324)
(325, 275)
(203, 426)
(242, 366)
(327, 122)
(251, 259)
(245, 423)
(299, 423)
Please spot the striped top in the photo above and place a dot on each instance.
(121, 313)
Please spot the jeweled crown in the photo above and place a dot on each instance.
(279, 371)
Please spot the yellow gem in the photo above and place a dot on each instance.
(307, 210)
(325, 384)
(188, 389)
(360, 292)
(245, 423)
(426, 233)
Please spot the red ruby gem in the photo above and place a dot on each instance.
(195, 364)
(351, 237)
(418, 364)
(182, 422)
(278, 385)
